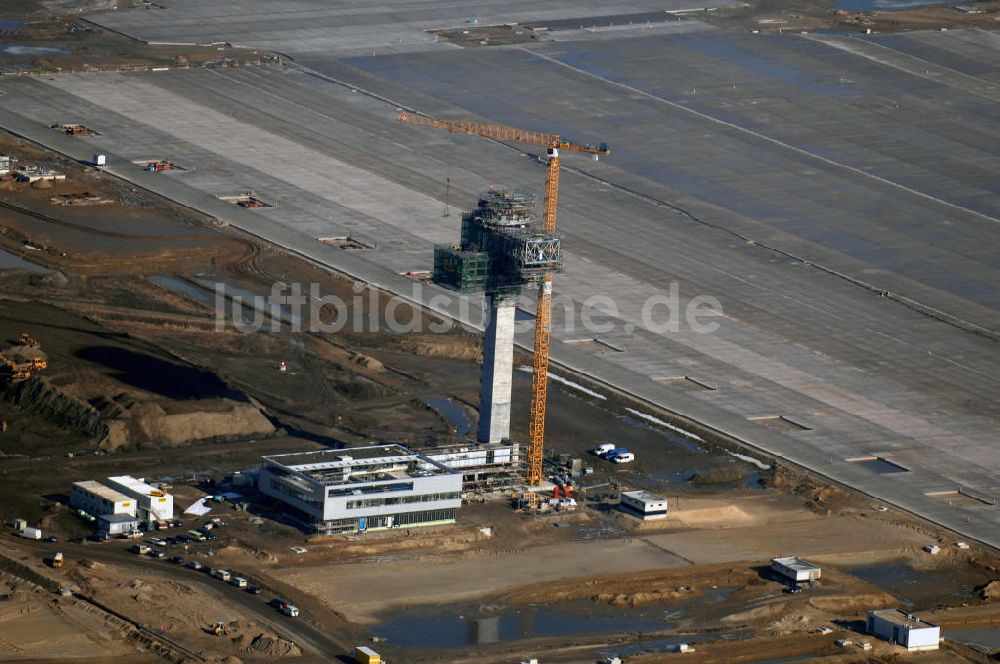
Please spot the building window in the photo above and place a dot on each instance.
(402, 500)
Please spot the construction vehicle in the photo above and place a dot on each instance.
(543, 312)
(28, 340)
(12, 371)
(220, 629)
(365, 655)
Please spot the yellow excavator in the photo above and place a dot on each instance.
(220, 629)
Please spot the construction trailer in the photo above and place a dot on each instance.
(796, 570)
(117, 524)
(153, 504)
(644, 505)
(903, 628)
(97, 499)
(4, 164)
(362, 488)
(32, 174)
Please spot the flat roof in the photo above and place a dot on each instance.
(117, 518)
(136, 485)
(796, 564)
(353, 465)
(644, 496)
(901, 617)
(105, 492)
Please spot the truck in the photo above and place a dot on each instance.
(57, 560)
(141, 549)
(31, 533)
(365, 655)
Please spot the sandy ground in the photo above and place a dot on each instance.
(360, 591)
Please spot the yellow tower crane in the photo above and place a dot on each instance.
(543, 312)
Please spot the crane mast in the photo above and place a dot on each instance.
(543, 310)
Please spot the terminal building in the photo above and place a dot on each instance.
(96, 499)
(153, 504)
(362, 488)
(905, 629)
(485, 467)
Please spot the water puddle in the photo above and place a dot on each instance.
(984, 637)
(182, 287)
(23, 49)
(251, 305)
(456, 628)
(454, 412)
(9, 261)
(920, 586)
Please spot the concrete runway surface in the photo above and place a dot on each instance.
(836, 193)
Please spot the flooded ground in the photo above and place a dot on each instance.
(462, 626)
(922, 589)
(984, 637)
(9, 261)
(454, 412)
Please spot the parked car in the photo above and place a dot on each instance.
(52, 538)
(238, 581)
(177, 560)
(156, 553)
(602, 449)
(290, 611)
(156, 541)
(221, 574)
(194, 564)
(621, 457)
(278, 602)
(254, 590)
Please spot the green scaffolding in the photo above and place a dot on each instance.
(462, 271)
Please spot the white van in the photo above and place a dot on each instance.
(239, 582)
(603, 449)
(221, 574)
(624, 457)
(290, 611)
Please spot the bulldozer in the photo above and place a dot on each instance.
(13, 372)
(220, 629)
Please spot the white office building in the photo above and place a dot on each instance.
(905, 629)
(362, 488)
(796, 570)
(153, 503)
(96, 499)
(643, 504)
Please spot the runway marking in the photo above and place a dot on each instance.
(846, 46)
(760, 136)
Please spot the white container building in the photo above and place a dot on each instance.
(362, 488)
(905, 629)
(117, 524)
(153, 504)
(796, 570)
(96, 499)
(643, 504)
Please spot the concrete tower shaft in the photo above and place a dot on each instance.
(497, 372)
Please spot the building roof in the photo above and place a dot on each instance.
(101, 491)
(117, 518)
(796, 564)
(644, 496)
(136, 485)
(902, 618)
(353, 465)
